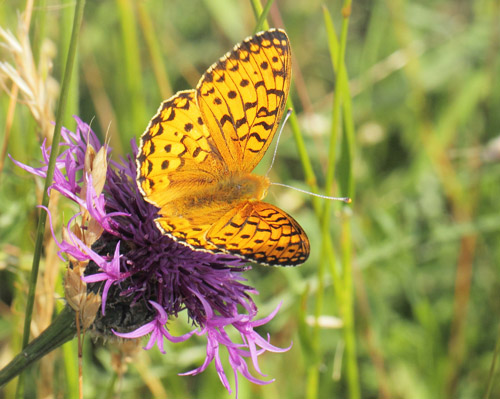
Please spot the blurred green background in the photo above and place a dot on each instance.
(425, 221)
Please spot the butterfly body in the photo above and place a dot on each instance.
(206, 202)
(197, 154)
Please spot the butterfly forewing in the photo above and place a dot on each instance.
(242, 97)
(176, 152)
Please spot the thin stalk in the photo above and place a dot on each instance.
(340, 69)
(492, 369)
(28, 12)
(342, 103)
(324, 221)
(154, 49)
(346, 180)
(257, 11)
(39, 28)
(70, 352)
(65, 28)
(348, 312)
(133, 84)
(263, 17)
(61, 109)
(9, 119)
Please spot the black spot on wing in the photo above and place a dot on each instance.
(267, 126)
(277, 92)
(249, 105)
(226, 118)
(258, 84)
(209, 77)
(171, 116)
(241, 122)
(257, 137)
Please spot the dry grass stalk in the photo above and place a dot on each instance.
(37, 88)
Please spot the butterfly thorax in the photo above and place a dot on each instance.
(242, 186)
(214, 200)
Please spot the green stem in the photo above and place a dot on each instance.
(135, 112)
(348, 312)
(346, 180)
(342, 97)
(66, 25)
(62, 330)
(492, 369)
(39, 29)
(258, 12)
(50, 169)
(155, 52)
(262, 21)
(339, 65)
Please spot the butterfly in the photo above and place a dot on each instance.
(196, 157)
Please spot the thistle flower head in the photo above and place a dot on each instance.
(145, 278)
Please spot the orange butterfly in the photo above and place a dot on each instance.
(197, 154)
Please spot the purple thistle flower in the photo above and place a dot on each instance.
(157, 329)
(136, 267)
(111, 272)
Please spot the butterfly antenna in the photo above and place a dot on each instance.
(347, 200)
(288, 113)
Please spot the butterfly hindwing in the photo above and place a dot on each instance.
(262, 233)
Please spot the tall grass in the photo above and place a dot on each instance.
(395, 105)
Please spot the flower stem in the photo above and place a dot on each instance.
(492, 369)
(50, 171)
(61, 109)
(62, 330)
